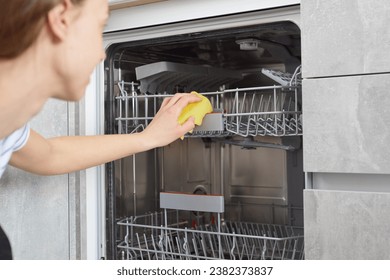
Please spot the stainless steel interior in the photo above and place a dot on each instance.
(258, 172)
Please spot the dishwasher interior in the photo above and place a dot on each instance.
(231, 189)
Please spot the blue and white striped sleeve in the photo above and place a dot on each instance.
(12, 143)
(24, 133)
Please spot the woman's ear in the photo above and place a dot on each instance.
(59, 19)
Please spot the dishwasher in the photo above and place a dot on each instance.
(231, 189)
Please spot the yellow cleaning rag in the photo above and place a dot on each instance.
(197, 110)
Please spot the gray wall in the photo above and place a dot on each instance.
(346, 71)
(41, 214)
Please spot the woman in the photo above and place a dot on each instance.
(42, 45)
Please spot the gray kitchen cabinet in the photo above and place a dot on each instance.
(346, 128)
(346, 77)
(346, 37)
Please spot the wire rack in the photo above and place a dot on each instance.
(284, 78)
(177, 234)
(256, 111)
(147, 238)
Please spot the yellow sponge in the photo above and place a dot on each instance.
(197, 110)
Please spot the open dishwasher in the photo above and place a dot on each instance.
(232, 189)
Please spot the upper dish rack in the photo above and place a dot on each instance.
(256, 111)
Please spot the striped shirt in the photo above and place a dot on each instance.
(12, 143)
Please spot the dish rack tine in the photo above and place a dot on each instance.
(263, 229)
(223, 246)
(245, 246)
(243, 250)
(204, 246)
(257, 243)
(211, 246)
(139, 246)
(233, 257)
(147, 246)
(274, 248)
(146, 111)
(284, 250)
(268, 106)
(226, 245)
(179, 248)
(263, 252)
(216, 240)
(161, 245)
(199, 241)
(252, 103)
(275, 234)
(294, 249)
(169, 248)
(185, 245)
(130, 256)
(154, 247)
(195, 249)
(252, 254)
(245, 241)
(237, 110)
(252, 230)
(250, 241)
(172, 243)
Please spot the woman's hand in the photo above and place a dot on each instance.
(165, 127)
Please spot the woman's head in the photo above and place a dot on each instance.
(62, 37)
(20, 23)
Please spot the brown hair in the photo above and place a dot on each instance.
(20, 23)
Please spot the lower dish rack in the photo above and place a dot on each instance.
(167, 235)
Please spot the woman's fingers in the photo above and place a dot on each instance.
(165, 101)
(181, 100)
(175, 98)
(189, 125)
(185, 100)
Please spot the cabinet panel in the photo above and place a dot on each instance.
(343, 37)
(346, 124)
(346, 225)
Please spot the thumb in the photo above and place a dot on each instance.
(188, 125)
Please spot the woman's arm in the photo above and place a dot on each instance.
(70, 153)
